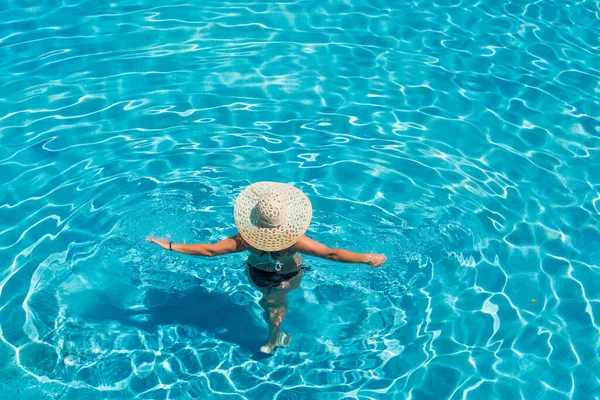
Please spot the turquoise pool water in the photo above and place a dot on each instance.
(460, 138)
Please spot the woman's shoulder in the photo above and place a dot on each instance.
(305, 243)
(240, 241)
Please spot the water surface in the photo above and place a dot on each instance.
(460, 138)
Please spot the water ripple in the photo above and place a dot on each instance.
(462, 135)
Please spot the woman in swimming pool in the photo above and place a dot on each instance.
(271, 219)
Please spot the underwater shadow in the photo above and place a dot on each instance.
(211, 312)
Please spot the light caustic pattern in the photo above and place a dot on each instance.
(460, 138)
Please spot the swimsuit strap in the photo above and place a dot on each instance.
(274, 254)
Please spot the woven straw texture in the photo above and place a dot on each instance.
(272, 216)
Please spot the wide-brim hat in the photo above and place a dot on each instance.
(272, 216)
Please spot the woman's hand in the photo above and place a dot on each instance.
(376, 260)
(161, 242)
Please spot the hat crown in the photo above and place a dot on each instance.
(271, 210)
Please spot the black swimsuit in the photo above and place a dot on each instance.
(263, 279)
(269, 279)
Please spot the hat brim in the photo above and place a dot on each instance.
(278, 238)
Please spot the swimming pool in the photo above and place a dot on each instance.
(460, 138)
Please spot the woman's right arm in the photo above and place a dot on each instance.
(306, 245)
(234, 244)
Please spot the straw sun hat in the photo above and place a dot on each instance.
(272, 216)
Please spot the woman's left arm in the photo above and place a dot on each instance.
(233, 244)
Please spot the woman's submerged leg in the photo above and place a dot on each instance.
(275, 304)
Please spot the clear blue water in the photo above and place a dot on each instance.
(461, 138)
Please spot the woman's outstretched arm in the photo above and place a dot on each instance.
(306, 245)
(233, 244)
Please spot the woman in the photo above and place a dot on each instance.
(271, 219)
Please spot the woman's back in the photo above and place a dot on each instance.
(282, 261)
